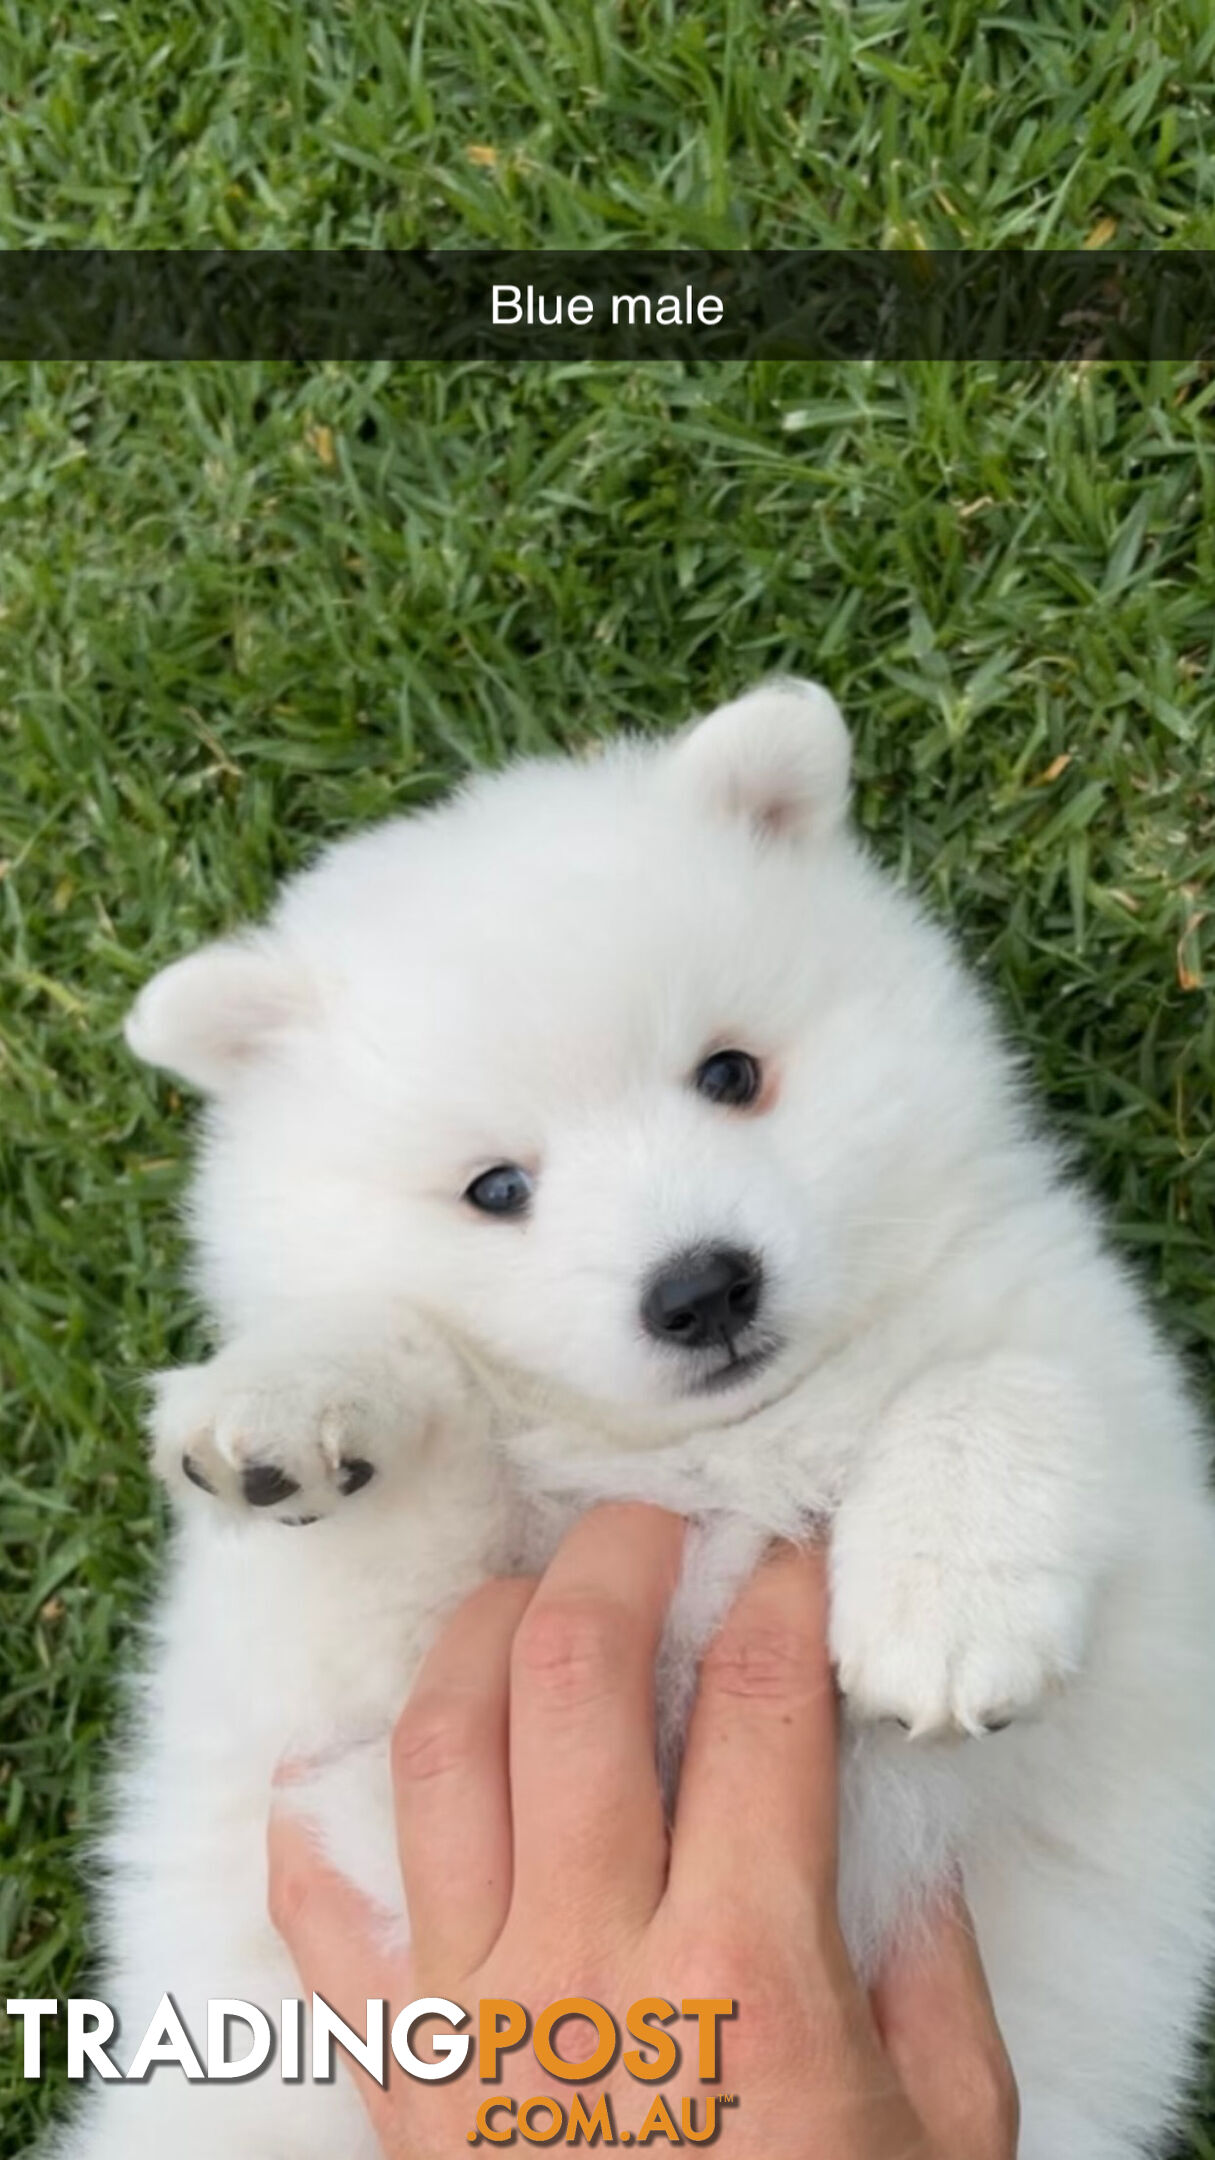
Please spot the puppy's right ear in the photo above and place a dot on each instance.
(778, 757)
(208, 1016)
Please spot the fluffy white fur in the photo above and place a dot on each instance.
(964, 1383)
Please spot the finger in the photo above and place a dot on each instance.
(935, 2016)
(449, 1766)
(588, 1825)
(335, 1935)
(757, 1796)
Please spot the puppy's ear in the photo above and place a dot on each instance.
(780, 757)
(209, 1015)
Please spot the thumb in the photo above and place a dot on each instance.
(336, 1936)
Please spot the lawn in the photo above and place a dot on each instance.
(571, 123)
(244, 609)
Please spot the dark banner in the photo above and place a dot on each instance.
(625, 306)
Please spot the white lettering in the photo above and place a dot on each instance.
(219, 2016)
(327, 2027)
(166, 2040)
(31, 2009)
(86, 2042)
(291, 2018)
(453, 2045)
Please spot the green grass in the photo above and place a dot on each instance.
(243, 609)
(591, 122)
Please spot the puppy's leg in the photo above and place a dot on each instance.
(967, 1548)
(295, 1426)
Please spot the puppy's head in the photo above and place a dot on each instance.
(624, 1068)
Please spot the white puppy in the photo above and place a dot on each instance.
(618, 1127)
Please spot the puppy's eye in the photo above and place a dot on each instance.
(731, 1077)
(504, 1190)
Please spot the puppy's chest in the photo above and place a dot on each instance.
(779, 1470)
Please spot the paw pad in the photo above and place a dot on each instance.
(264, 1484)
(354, 1471)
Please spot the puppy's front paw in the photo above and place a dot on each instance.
(291, 1439)
(940, 1645)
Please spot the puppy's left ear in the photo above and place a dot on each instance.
(779, 757)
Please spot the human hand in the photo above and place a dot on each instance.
(537, 1866)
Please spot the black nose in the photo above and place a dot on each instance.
(703, 1297)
